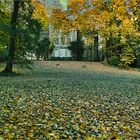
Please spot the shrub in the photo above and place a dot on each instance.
(114, 60)
(43, 49)
(127, 57)
(77, 49)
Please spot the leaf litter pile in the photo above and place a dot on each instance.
(57, 104)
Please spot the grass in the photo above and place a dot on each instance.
(59, 102)
(1, 66)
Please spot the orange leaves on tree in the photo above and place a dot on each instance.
(76, 6)
(59, 19)
(127, 27)
(75, 2)
(97, 16)
(40, 12)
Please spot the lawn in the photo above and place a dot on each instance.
(70, 101)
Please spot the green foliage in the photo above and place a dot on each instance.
(77, 47)
(4, 10)
(43, 48)
(136, 44)
(3, 53)
(137, 60)
(4, 29)
(27, 30)
(114, 60)
(127, 57)
(124, 52)
(28, 34)
(130, 52)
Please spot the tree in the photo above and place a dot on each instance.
(4, 29)
(118, 30)
(28, 19)
(77, 47)
(114, 20)
(40, 13)
(43, 49)
(28, 30)
(11, 52)
(96, 47)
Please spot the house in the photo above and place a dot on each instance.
(60, 41)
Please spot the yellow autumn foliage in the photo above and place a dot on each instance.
(40, 12)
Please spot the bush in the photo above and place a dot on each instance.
(43, 49)
(77, 49)
(127, 57)
(114, 60)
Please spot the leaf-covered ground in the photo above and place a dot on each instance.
(58, 101)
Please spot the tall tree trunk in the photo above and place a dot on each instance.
(11, 52)
(109, 43)
(92, 53)
(106, 51)
(96, 47)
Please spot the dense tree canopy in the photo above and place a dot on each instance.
(115, 22)
(28, 18)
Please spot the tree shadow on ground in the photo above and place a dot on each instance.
(13, 74)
